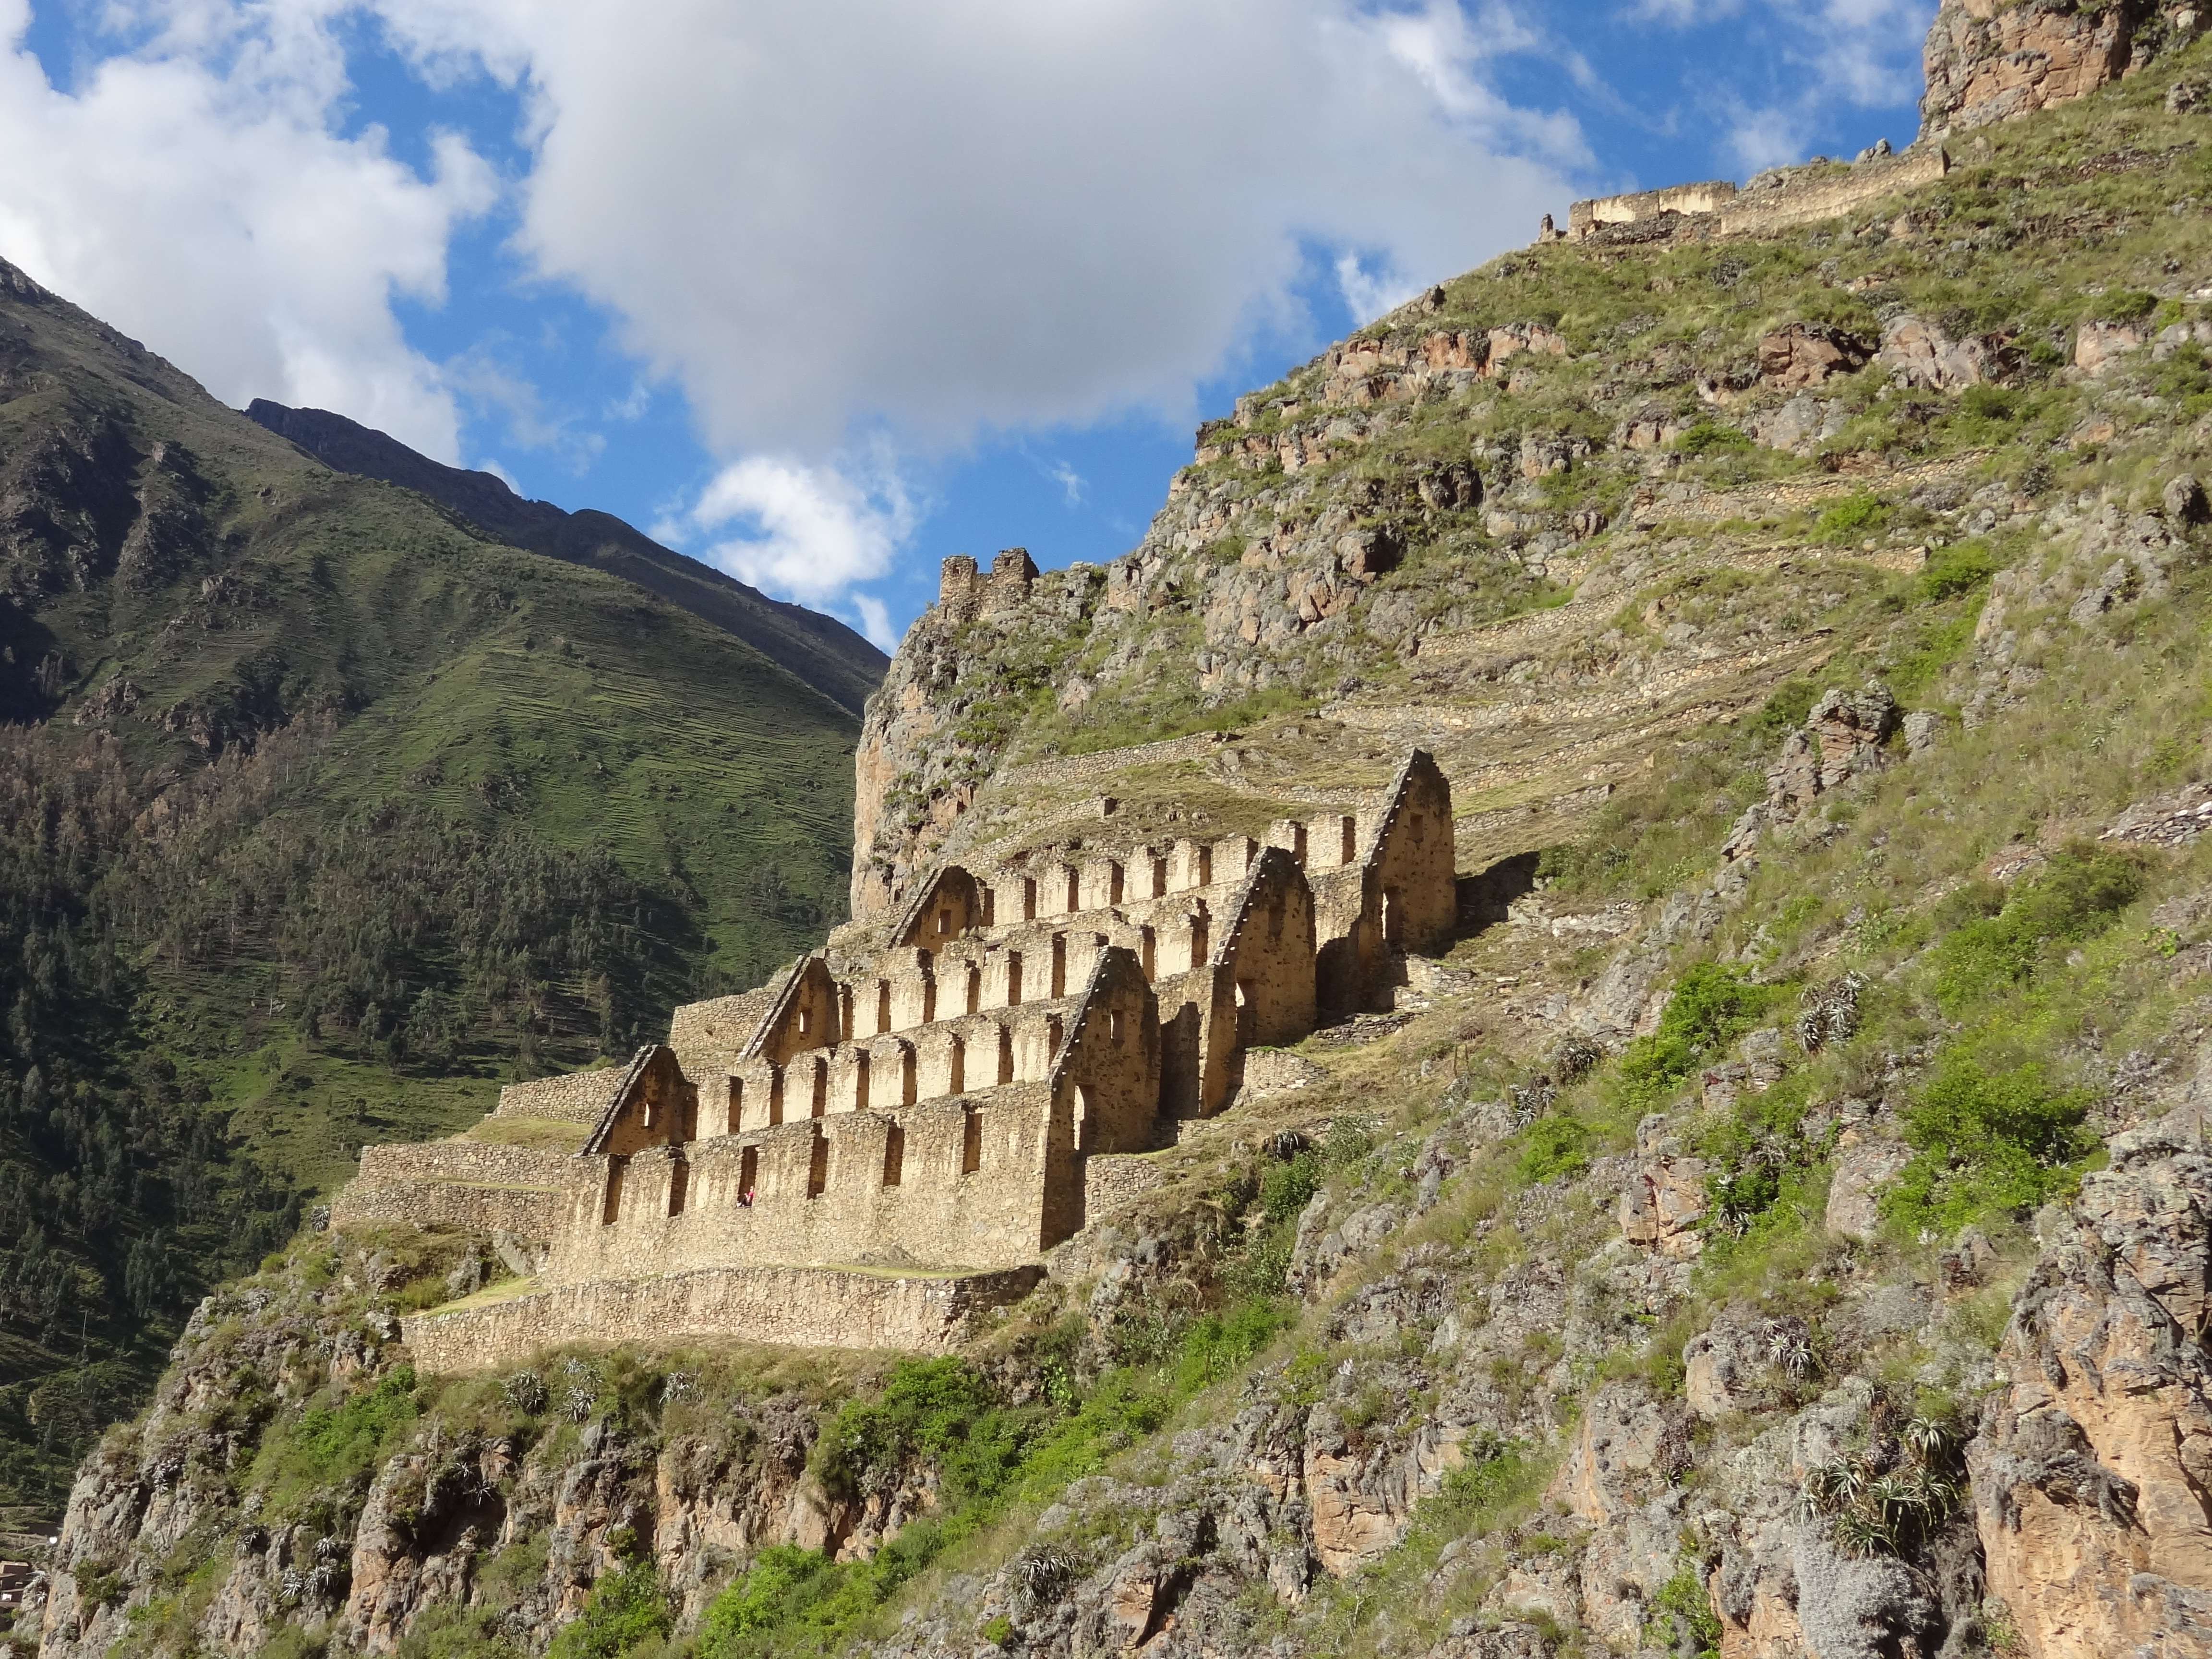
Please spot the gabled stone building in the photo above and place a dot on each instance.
(895, 1130)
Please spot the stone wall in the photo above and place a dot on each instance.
(800, 1307)
(1804, 200)
(957, 1182)
(579, 1097)
(1112, 1184)
(471, 1186)
(1796, 197)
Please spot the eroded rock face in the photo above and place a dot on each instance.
(2092, 1473)
(1989, 62)
(1805, 353)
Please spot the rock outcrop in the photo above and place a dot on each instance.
(2092, 1473)
(1987, 61)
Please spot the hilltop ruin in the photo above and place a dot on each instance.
(892, 1132)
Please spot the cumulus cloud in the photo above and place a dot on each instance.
(814, 532)
(195, 191)
(937, 219)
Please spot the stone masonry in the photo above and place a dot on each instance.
(935, 1101)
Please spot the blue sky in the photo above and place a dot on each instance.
(824, 294)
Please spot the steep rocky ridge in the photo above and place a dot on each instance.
(820, 650)
(1779, 1224)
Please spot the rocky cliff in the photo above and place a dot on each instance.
(1779, 1224)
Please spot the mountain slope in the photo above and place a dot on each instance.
(1780, 1225)
(821, 650)
(326, 812)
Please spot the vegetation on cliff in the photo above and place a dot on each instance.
(321, 814)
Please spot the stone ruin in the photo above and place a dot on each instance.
(890, 1134)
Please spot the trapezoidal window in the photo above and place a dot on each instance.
(1114, 878)
(894, 1155)
(1159, 879)
(859, 1083)
(1059, 965)
(882, 1007)
(737, 1115)
(1013, 978)
(956, 1066)
(1205, 867)
(1348, 848)
(908, 1081)
(679, 1186)
(748, 1175)
(971, 1140)
(775, 1096)
(1005, 1055)
(805, 1020)
(1113, 1026)
(944, 923)
(974, 988)
(1074, 892)
(820, 1102)
(818, 1166)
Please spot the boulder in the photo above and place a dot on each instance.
(1664, 1202)
(1863, 1171)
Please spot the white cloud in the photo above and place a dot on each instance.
(195, 193)
(811, 531)
(988, 215)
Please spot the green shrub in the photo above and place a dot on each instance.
(1956, 570)
(1987, 1142)
(627, 1609)
(1684, 1598)
(1709, 437)
(1551, 1147)
(2076, 896)
(1711, 1006)
(329, 1445)
(941, 1410)
(1218, 1344)
(1285, 1188)
(1850, 520)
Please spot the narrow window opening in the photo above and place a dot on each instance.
(971, 1140)
(975, 987)
(775, 1097)
(612, 1208)
(1052, 1039)
(1028, 899)
(1074, 891)
(1059, 965)
(894, 1155)
(1005, 1055)
(1113, 883)
(882, 1007)
(818, 1166)
(820, 1102)
(908, 1080)
(1299, 843)
(1113, 1026)
(748, 1176)
(679, 1182)
(1247, 1015)
(805, 1021)
(955, 1068)
(1085, 1117)
(1418, 830)
(943, 923)
(1013, 978)
(1348, 849)
(1159, 879)
(1198, 941)
(1275, 912)
(1205, 867)
(859, 1083)
(990, 906)
(737, 1118)
(1147, 948)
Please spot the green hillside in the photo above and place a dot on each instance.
(321, 816)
